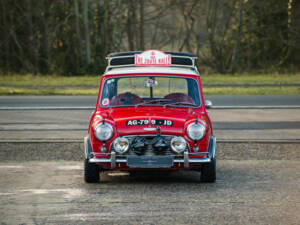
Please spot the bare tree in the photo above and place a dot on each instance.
(236, 49)
(131, 22)
(141, 25)
(78, 32)
(87, 31)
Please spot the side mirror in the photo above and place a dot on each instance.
(208, 104)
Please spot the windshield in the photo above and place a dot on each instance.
(150, 90)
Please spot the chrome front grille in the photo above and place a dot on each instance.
(149, 149)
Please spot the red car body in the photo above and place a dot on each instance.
(198, 155)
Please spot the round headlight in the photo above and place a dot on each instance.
(196, 131)
(178, 144)
(103, 131)
(121, 145)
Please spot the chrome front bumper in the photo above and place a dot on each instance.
(186, 160)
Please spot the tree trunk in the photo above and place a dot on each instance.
(142, 44)
(295, 21)
(130, 25)
(188, 27)
(78, 34)
(87, 33)
(32, 53)
(236, 49)
(44, 47)
(5, 39)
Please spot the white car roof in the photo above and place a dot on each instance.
(148, 69)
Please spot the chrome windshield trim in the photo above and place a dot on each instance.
(157, 75)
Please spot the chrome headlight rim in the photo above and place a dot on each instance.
(117, 141)
(103, 126)
(173, 146)
(196, 126)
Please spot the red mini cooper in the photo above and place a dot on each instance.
(150, 115)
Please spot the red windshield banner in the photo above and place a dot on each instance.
(152, 58)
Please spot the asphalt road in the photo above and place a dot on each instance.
(88, 101)
(234, 124)
(246, 192)
(271, 124)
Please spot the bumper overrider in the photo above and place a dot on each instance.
(187, 160)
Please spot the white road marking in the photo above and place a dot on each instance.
(213, 107)
(11, 167)
(77, 167)
(68, 192)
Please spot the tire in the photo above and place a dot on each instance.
(91, 172)
(208, 172)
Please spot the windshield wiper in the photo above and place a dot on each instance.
(153, 101)
(180, 103)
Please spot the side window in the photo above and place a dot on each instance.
(109, 89)
(193, 90)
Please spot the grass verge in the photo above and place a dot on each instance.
(49, 80)
(252, 91)
(47, 91)
(58, 85)
(251, 79)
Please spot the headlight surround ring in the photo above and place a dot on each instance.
(178, 144)
(103, 131)
(196, 131)
(121, 145)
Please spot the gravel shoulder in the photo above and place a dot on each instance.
(246, 192)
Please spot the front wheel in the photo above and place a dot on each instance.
(91, 172)
(208, 172)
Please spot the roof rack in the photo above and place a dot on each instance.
(126, 59)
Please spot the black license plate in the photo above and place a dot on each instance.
(152, 122)
(136, 122)
(149, 161)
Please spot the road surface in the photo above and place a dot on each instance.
(218, 100)
(233, 124)
(243, 124)
(246, 192)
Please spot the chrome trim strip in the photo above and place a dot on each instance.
(212, 147)
(202, 160)
(113, 160)
(87, 147)
(190, 153)
(105, 160)
(186, 159)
